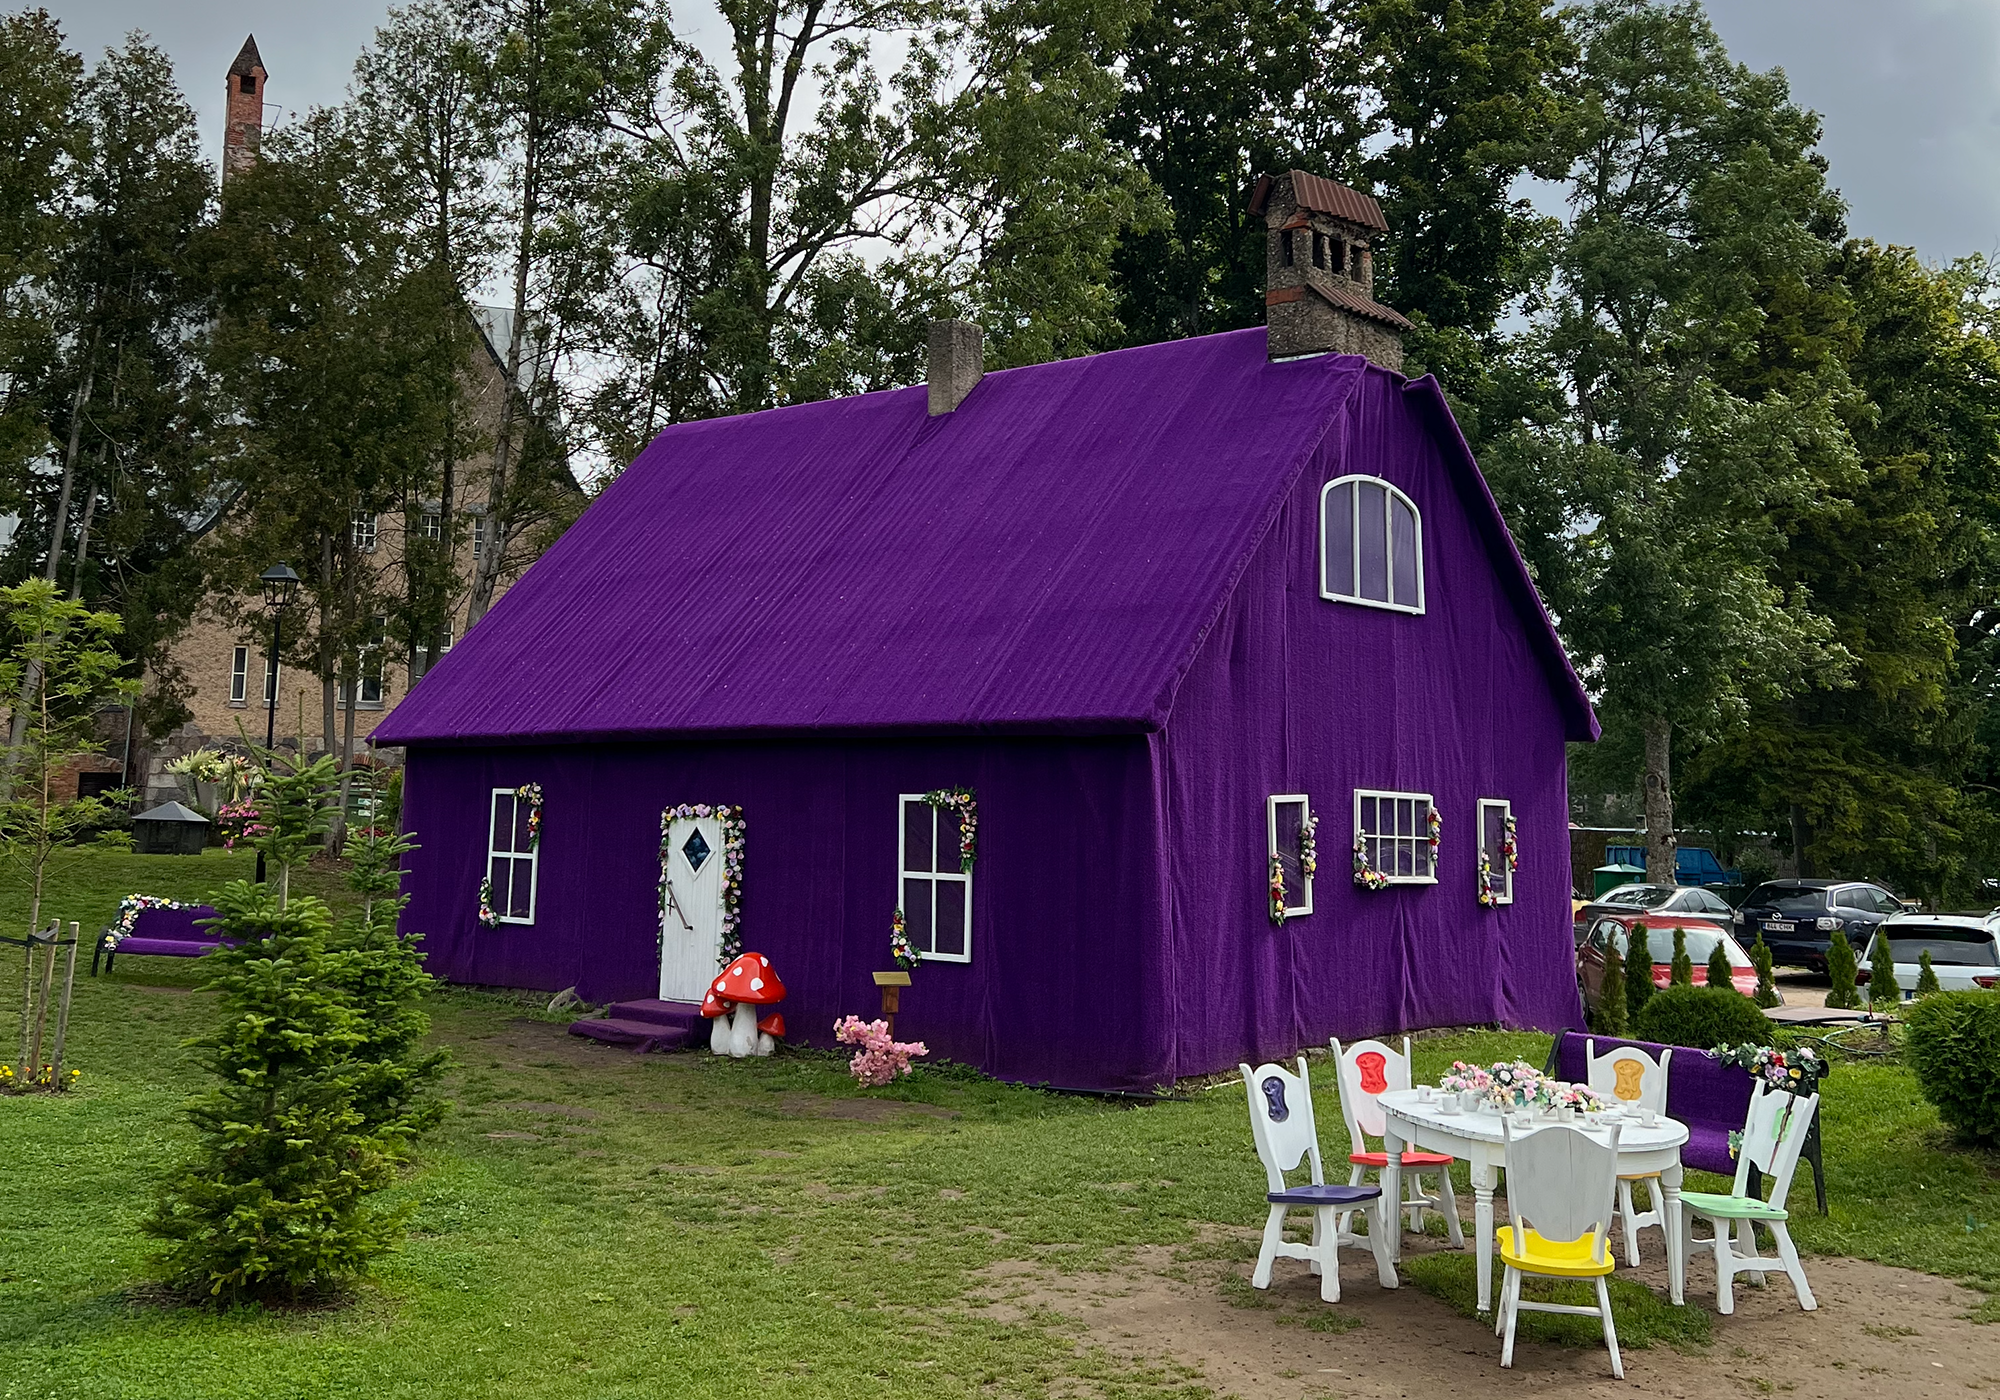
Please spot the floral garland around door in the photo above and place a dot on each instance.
(1308, 864)
(732, 872)
(961, 801)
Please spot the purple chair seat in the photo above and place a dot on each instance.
(1327, 1195)
(169, 947)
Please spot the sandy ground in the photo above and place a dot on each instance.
(1799, 987)
(1878, 1332)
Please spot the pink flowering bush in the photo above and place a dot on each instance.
(879, 1058)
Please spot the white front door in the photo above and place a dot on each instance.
(691, 924)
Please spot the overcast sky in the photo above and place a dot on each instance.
(1910, 91)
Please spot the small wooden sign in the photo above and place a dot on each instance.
(892, 979)
(892, 984)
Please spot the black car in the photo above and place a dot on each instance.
(1798, 917)
(1659, 899)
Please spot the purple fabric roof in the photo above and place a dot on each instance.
(1047, 558)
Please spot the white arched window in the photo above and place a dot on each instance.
(1371, 545)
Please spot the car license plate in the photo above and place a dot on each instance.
(1777, 926)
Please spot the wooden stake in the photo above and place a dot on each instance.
(62, 1011)
(42, 1009)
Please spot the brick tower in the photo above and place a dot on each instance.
(244, 126)
(1320, 287)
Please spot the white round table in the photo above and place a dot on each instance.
(1475, 1138)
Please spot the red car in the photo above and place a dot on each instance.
(1701, 936)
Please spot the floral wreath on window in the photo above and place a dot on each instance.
(732, 872)
(961, 801)
(530, 794)
(901, 951)
(1510, 851)
(1308, 863)
(1365, 874)
(131, 907)
(1434, 827)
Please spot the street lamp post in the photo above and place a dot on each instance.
(281, 585)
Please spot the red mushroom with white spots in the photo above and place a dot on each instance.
(737, 992)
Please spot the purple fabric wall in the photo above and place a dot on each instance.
(1294, 693)
(1066, 985)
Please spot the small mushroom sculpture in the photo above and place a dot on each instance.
(732, 1002)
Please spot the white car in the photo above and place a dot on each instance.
(1964, 949)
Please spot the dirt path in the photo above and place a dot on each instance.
(1878, 1332)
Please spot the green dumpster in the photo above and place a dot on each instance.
(1610, 877)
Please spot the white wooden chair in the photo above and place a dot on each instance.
(1774, 1132)
(1281, 1122)
(1628, 1075)
(1560, 1187)
(1369, 1069)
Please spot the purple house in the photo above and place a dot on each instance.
(1260, 714)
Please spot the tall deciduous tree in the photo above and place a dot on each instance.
(1697, 194)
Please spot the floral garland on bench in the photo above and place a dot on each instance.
(129, 910)
(733, 827)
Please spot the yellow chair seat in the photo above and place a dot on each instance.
(1571, 1259)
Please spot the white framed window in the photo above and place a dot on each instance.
(239, 676)
(932, 890)
(1395, 834)
(371, 669)
(1285, 818)
(425, 659)
(1371, 545)
(363, 527)
(270, 679)
(478, 536)
(1494, 813)
(431, 523)
(512, 859)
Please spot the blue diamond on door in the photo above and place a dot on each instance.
(696, 850)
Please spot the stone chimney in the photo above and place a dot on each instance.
(243, 127)
(1319, 293)
(957, 362)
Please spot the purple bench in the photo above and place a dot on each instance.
(1710, 1097)
(160, 933)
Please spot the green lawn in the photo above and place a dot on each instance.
(597, 1224)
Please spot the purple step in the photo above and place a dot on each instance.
(646, 1025)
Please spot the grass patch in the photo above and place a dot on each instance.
(1642, 1317)
(593, 1224)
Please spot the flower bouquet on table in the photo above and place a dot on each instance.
(1516, 1084)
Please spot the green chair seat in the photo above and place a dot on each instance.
(1732, 1207)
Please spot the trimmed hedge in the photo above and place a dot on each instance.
(1953, 1046)
(1701, 1017)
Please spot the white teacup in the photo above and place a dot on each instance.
(1648, 1117)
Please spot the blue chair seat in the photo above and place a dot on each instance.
(1329, 1195)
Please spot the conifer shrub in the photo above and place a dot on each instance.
(1639, 986)
(1612, 1018)
(1719, 973)
(1927, 983)
(1883, 989)
(1681, 972)
(1701, 1017)
(1840, 969)
(320, 1083)
(1767, 985)
(1952, 1044)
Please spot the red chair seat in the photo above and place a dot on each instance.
(1410, 1159)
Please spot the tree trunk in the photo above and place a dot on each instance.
(83, 540)
(1802, 843)
(337, 840)
(1659, 800)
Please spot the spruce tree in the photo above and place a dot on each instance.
(1840, 965)
(1682, 970)
(1638, 972)
(1719, 972)
(1926, 975)
(1767, 988)
(1882, 986)
(1611, 1013)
